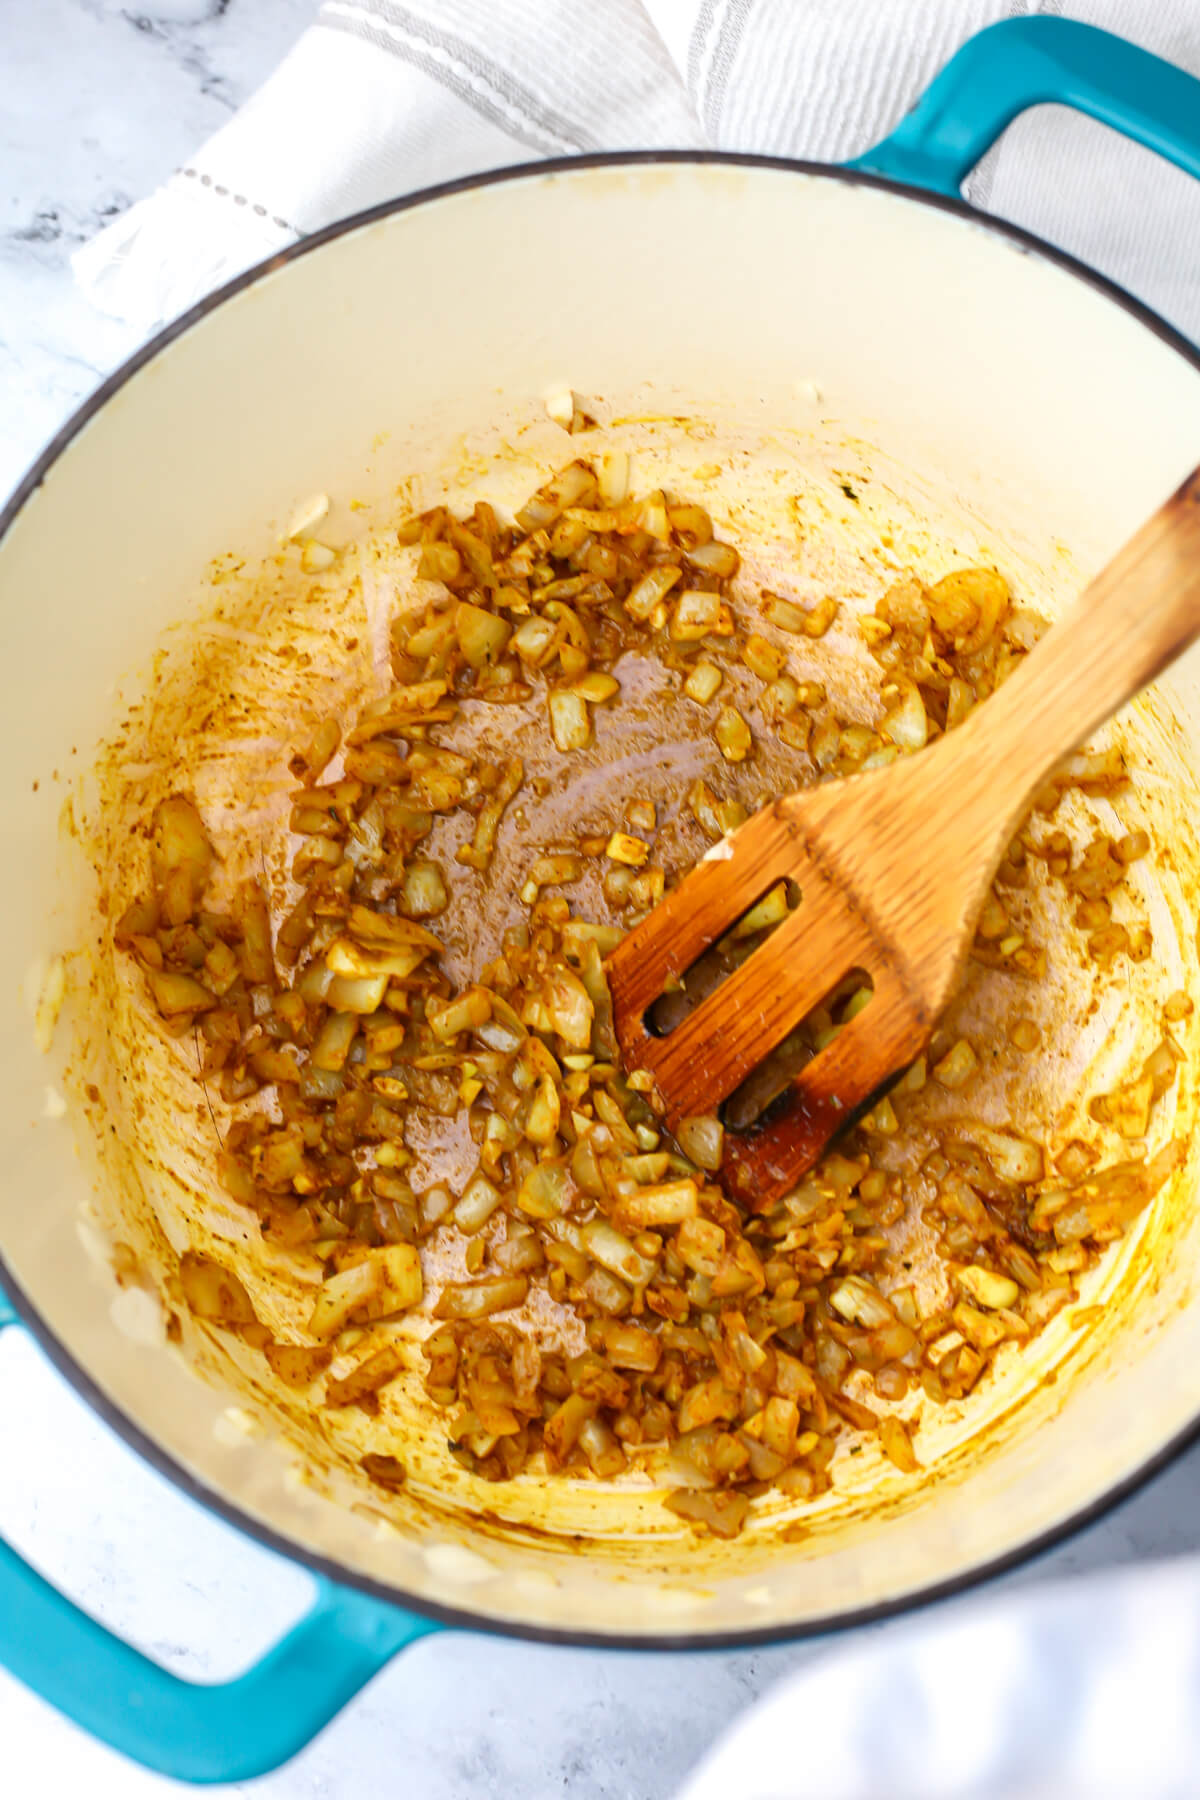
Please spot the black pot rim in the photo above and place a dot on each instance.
(84, 1384)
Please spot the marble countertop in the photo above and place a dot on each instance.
(101, 101)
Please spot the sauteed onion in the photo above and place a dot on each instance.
(726, 1354)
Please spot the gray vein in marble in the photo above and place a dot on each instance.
(101, 103)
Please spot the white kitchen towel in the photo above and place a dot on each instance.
(1089, 1691)
(382, 97)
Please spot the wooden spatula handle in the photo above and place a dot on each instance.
(1138, 614)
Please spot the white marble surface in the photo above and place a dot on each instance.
(100, 101)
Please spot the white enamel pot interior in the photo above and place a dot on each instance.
(758, 332)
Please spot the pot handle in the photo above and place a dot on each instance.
(1019, 63)
(233, 1731)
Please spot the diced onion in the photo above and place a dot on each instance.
(599, 1302)
(702, 1140)
(570, 721)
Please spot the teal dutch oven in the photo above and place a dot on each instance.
(729, 302)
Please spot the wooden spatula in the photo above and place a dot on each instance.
(892, 868)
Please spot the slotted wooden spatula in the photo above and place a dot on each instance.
(892, 868)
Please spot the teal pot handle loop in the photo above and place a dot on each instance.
(227, 1732)
(1019, 63)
